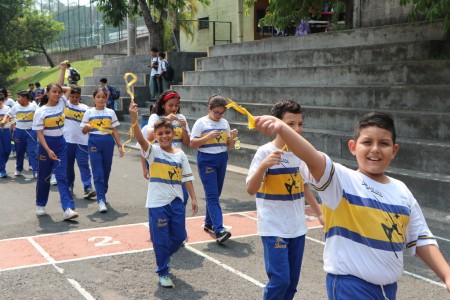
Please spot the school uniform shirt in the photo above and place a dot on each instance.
(72, 130)
(23, 114)
(280, 201)
(178, 130)
(368, 224)
(50, 118)
(167, 173)
(205, 125)
(3, 113)
(10, 102)
(102, 121)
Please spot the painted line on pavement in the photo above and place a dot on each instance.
(225, 266)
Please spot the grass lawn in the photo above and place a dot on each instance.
(46, 75)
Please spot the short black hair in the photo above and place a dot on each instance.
(282, 107)
(74, 89)
(38, 84)
(162, 54)
(377, 119)
(154, 49)
(103, 80)
(163, 122)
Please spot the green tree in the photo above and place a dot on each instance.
(156, 13)
(431, 9)
(36, 29)
(283, 13)
(11, 58)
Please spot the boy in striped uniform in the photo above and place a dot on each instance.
(369, 217)
(77, 143)
(25, 138)
(274, 176)
(169, 169)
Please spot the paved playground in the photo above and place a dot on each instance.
(109, 256)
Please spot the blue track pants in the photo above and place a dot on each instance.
(212, 169)
(341, 287)
(283, 261)
(80, 153)
(26, 140)
(48, 166)
(101, 150)
(167, 232)
(5, 148)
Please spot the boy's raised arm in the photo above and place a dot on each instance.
(315, 161)
(137, 131)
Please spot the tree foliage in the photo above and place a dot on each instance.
(156, 13)
(40, 29)
(431, 9)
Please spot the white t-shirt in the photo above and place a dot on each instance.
(10, 102)
(154, 71)
(3, 112)
(280, 201)
(50, 118)
(205, 125)
(72, 130)
(178, 130)
(23, 114)
(167, 173)
(102, 121)
(368, 224)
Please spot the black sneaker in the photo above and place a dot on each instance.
(222, 236)
(89, 193)
(208, 228)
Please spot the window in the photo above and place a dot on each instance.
(203, 23)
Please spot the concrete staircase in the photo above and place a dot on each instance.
(337, 76)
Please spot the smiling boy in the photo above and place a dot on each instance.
(369, 217)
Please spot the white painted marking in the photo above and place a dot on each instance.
(314, 240)
(105, 241)
(425, 279)
(80, 289)
(441, 238)
(45, 255)
(226, 267)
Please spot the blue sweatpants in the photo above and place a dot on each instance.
(283, 261)
(341, 287)
(167, 232)
(101, 150)
(48, 166)
(26, 140)
(80, 153)
(5, 148)
(212, 169)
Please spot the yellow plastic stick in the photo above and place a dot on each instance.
(242, 110)
(130, 91)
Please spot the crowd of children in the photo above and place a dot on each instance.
(368, 217)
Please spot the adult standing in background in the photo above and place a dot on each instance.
(153, 84)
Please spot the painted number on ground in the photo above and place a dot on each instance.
(104, 241)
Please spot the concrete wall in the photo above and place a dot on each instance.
(379, 12)
(103, 51)
(218, 10)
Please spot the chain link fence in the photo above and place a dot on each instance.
(83, 25)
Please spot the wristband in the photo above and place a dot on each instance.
(119, 145)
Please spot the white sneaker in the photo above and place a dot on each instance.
(166, 282)
(17, 173)
(70, 214)
(53, 180)
(102, 207)
(40, 211)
